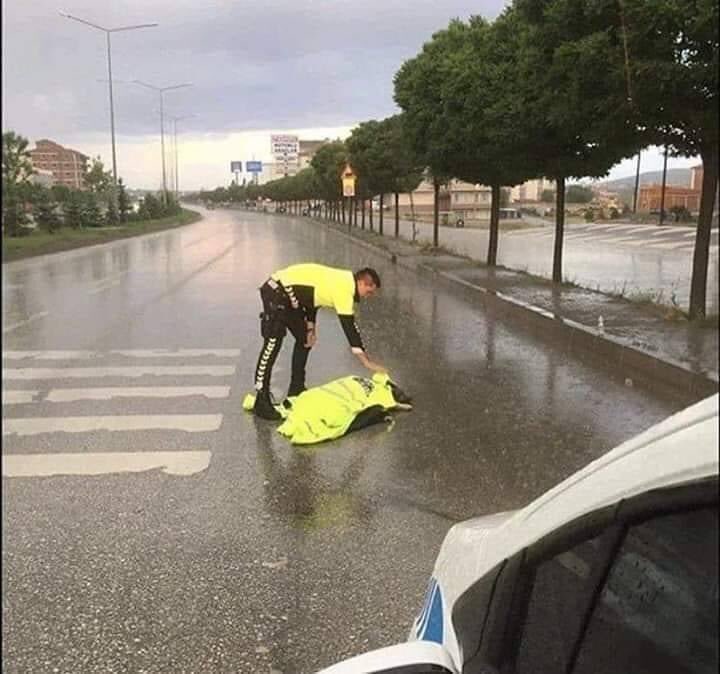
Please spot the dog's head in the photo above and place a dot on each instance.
(403, 400)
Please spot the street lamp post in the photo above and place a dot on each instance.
(177, 179)
(161, 91)
(107, 32)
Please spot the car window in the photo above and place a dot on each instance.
(659, 606)
(562, 588)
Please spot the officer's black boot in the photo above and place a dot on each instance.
(295, 389)
(264, 407)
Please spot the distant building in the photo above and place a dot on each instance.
(42, 177)
(473, 201)
(650, 198)
(696, 177)
(531, 191)
(308, 148)
(68, 167)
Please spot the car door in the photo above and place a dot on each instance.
(632, 588)
(418, 657)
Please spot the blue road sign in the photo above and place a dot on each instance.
(253, 166)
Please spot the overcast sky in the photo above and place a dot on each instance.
(313, 66)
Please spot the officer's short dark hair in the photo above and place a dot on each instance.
(368, 272)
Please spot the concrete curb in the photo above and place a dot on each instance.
(635, 364)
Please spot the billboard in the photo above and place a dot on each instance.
(235, 167)
(253, 166)
(284, 146)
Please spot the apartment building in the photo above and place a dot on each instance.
(68, 167)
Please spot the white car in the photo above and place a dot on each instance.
(613, 571)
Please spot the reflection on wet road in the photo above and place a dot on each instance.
(271, 556)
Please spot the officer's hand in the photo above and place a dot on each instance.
(376, 367)
(310, 337)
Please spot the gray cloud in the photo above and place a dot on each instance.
(254, 63)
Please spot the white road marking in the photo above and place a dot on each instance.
(66, 395)
(17, 397)
(130, 371)
(15, 326)
(105, 286)
(673, 245)
(104, 463)
(191, 423)
(129, 353)
(178, 353)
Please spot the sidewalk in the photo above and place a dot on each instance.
(631, 267)
(641, 337)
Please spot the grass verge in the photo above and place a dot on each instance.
(67, 238)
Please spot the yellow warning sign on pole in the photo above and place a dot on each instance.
(348, 181)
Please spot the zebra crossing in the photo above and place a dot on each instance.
(65, 403)
(681, 239)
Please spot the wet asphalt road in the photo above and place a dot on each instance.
(270, 558)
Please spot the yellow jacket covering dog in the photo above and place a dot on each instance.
(328, 412)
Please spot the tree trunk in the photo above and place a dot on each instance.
(559, 228)
(494, 226)
(342, 210)
(436, 213)
(355, 211)
(380, 221)
(698, 284)
(397, 215)
(371, 214)
(362, 219)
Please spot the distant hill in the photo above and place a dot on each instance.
(675, 176)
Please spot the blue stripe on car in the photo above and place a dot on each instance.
(433, 628)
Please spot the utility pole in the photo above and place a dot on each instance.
(637, 184)
(662, 191)
(177, 169)
(161, 91)
(107, 32)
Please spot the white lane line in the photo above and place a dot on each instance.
(104, 463)
(67, 395)
(15, 326)
(190, 423)
(673, 245)
(129, 353)
(48, 355)
(134, 371)
(107, 286)
(18, 397)
(178, 353)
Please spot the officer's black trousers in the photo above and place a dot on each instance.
(277, 319)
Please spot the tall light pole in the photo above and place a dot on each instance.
(177, 179)
(107, 32)
(161, 91)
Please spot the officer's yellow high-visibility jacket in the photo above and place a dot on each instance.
(328, 412)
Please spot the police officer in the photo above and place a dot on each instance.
(291, 298)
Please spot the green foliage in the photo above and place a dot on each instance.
(578, 194)
(45, 213)
(151, 207)
(97, 179)
(328, 164)
(681, 214)
(382, 158)
(589, 215)
(614, 213)
(60, 193)
(112, 216)
(16, 162)
(548, 196)
(123, 202)
(91, 216)
(73, 210)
